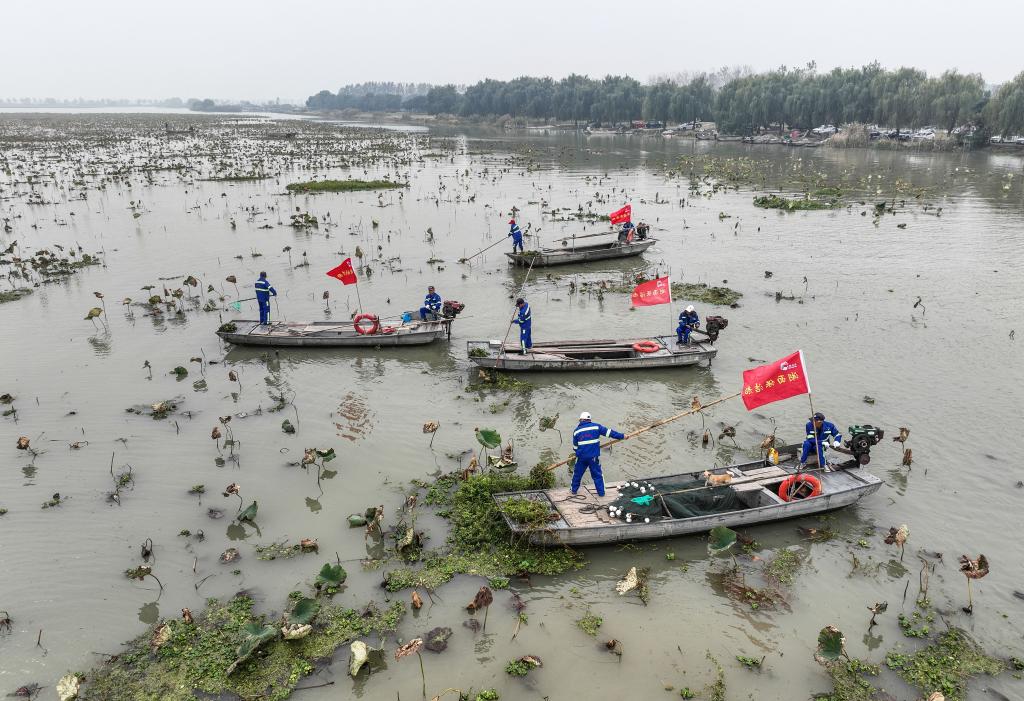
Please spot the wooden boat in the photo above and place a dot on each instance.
(580, 254)
(590, 354)
(324, 334)
(754, 486)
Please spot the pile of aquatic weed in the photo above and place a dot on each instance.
(945, 665)
(178, 660)
(479, 542)
(342, 185)
(689, 291)
(792, 205)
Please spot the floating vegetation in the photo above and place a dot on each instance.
(342, 185)
(177, 660)
(792, 205)
(523, 666)
(782, 569)
(14, 295)
(590, 623)
(491, 380)
(945, 665)
(479, 542)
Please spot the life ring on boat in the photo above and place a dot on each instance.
(373, 328)
(795, 487)
(646, 346)
(388, 329)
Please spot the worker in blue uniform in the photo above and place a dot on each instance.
(264, 290)
(431, 304)
(626, 232)
(525, 322)
(821, 434)
(586, 441)
(517, 235)
(688, 321)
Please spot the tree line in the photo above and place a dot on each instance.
(802, 98)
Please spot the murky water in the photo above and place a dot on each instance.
(949, 370)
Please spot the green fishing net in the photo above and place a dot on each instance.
(659, 499)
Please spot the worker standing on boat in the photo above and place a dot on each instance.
(525, 322)
(264, 290)
(586, 441)
(431, 304)
(517, 235)
(688, 321)
(820, 434)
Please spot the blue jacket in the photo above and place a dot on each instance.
(515, 233)
(586, 439)
(828, 433)
(264, 289)
(524, 317)
(432, 302)
(689, 319)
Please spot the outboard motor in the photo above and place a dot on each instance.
(714, 324)
(861, 440)
(451, 309)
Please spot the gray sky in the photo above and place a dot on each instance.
(290, 49)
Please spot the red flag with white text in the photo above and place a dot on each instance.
(344, 273)
(769, 383)
(622, 215)
(648, 294)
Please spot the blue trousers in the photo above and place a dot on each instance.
(526, 335)
(584, 464)
(683, 333)
(517, 243)
(424, 312)
(264, 310)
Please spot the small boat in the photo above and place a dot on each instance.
(332, 334)
(752, 497)
(624, 354)
(580, 254)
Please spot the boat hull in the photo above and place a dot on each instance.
(323, 334)
(581, 254)
(562, 356)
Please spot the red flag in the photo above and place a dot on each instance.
(344, 272)
(779, 380)
(657, 291)
(622, 215)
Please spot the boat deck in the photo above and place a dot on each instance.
(597, 354)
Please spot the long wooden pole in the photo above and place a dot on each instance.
(656, 424)
(463, 260)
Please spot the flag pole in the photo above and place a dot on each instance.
(818, 455)
(669, 278)
(359, 300)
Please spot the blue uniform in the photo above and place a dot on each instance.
(517, 237)
(263, 292)
(431, 304)
(625, 231)
(586, 440)
(525, 322)
(687, 322)
(827, 433)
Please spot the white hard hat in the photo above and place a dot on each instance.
(689, 308)
(585, 416)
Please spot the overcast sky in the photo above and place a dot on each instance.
(258, 49)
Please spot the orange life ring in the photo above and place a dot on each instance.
(362, 330)
(646, 347)
(794, 487)
(388, 329)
